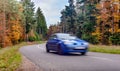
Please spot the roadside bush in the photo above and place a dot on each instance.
(115, 39)
(32, 38)
(105, 38)
(105, 49)
(10, 58)
(90, 38)
(38, 37)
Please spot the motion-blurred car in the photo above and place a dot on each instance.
(65, 43)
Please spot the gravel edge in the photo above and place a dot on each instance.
(27, 65)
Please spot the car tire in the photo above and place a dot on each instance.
(83, 53)
(47, 50)
(60, 52)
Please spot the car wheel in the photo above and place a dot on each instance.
(47, 50)
(83, 53)
(60, 52)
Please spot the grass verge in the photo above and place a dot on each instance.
(10, 57)
(105, 49)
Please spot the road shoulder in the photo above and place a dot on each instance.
(27, 65)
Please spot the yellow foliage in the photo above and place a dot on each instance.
(16, 31)
(98, 6)
(107, 16)
(7, 41)
(118, 30)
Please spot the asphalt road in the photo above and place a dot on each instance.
(71, 62)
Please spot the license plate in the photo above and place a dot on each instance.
(80, 48)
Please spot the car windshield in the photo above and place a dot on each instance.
(66, 37)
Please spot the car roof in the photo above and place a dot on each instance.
(62, 34)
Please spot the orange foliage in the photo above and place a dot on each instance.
(109, 15)
(53, 29)
(13, 28)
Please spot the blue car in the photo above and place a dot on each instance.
(65, 43)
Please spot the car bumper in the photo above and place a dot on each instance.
(67, 50)
(80, 50)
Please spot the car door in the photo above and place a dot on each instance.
(53, 42)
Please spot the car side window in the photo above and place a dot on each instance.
(53, 36)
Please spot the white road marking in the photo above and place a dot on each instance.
(40, 47)
(101, 58)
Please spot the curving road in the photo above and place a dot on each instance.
(72, 62)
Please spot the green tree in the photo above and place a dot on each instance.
(64, 22)
(68, 18)
(29, 14)
(41, 23)
(87, 18)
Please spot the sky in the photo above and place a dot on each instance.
(51, 9)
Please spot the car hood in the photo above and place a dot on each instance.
(76, 42)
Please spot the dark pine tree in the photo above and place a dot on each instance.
(68, 18)
(41, 23)
(29, 14)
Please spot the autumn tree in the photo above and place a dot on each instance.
(98, 21)
(107, 20)
(54, 29)
(11, 21)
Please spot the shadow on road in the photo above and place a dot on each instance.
(68, 54)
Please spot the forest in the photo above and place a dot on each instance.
(96, 21)
(19, 22)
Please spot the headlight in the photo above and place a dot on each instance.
(67, 42)
(85, 43)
